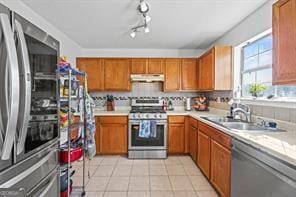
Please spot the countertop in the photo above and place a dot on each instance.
(279, 144)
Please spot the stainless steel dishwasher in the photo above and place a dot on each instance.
(258, 174)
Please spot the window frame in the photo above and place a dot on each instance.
(242, 60)
(238, 80)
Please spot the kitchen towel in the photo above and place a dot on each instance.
(144, 130)
(153, 128)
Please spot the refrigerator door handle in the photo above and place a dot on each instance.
(13, 87)
(25, 87)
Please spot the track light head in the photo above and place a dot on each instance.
(133, 34)
(146, 30)
(147, 18)
(143, 7)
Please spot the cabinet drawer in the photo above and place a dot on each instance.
(222, 138)
(193, 122)
(113, 119)
(176, 119)
(215, 134)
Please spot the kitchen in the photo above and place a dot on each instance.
(161, 104)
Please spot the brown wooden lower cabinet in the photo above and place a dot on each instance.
(193, 139)
(112, 134)
(97, 135)
(176, 138)
(204, 153)
(214, 157)
(176, 134)
(220, 168)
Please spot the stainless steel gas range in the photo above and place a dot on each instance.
(147, 134)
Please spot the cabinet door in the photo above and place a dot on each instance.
(176, 138)
(155, 66)
(97, 135)
(220, 168)
(206, 71)
(223, 68)
(189, 74)
(117, 74)
(95, 72)
(284, 42)
(193, 142)
(139, 65)
(203, 156)
(172, 75)
(113, 138)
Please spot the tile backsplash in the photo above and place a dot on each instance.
(143, 90)
(219, 100)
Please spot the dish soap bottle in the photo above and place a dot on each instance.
(170, 106)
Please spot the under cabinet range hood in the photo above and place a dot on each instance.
(147, 77)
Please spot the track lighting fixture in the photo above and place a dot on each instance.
(143, 8)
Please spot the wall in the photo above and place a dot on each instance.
(142, 90)
(68, 47)
(141, 52)
(256, 23)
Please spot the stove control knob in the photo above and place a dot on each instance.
(139, 115)
(147, 115)
(155, 116)
(160, 116)
(134, 115)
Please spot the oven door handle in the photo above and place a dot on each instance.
(11, 90)
(25, 89)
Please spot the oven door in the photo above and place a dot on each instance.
(150, 143)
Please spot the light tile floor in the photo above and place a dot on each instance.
(117, 176)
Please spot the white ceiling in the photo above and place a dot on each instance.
(176, 24)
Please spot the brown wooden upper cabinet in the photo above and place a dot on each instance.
(189, 69)
(139, 66)
(284, 42)
(117, 74)
(181, 74)
(155, 66)
(147, 66)
(95, 72)
(215, 69)
(172, 75)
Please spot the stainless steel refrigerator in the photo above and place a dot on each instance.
(29, 125)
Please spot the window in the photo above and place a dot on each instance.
(256, 68)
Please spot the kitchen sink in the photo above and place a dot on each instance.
(239, 125)
(243, 126)
(220, 119)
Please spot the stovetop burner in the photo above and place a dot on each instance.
(145, 109)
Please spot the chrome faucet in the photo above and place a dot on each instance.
(244, 109)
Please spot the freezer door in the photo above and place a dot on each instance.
(28, 173)
(9, 88)
(48, 187)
